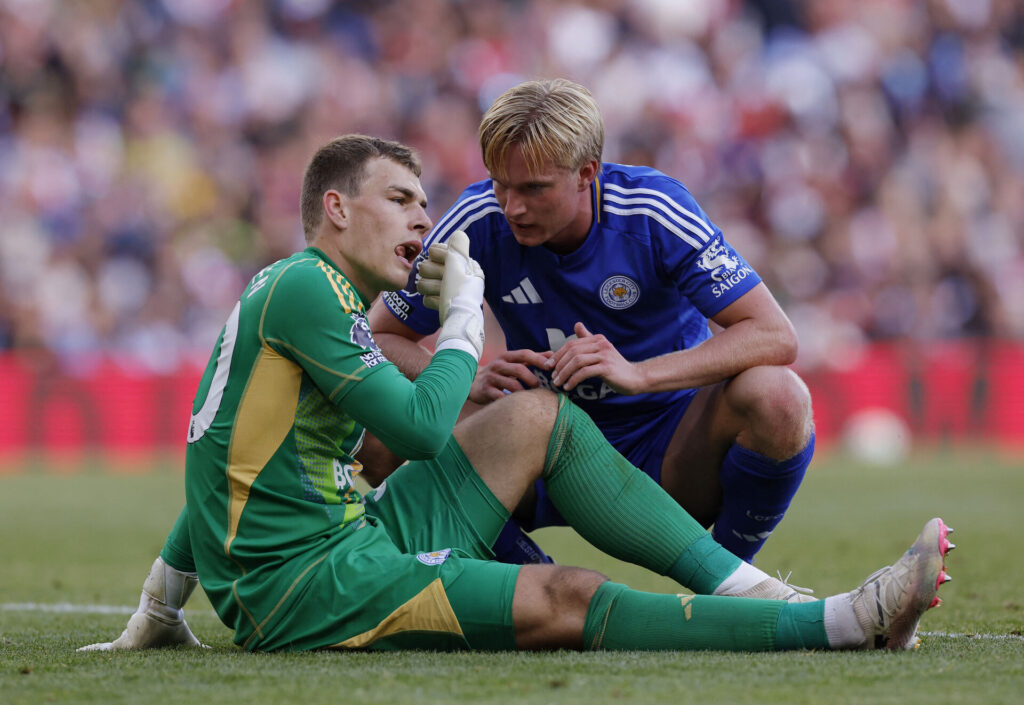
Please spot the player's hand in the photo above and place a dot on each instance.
(159, 621)
(451, 282)
(592, 355)
(508, 372)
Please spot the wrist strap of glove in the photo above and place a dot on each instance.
(463, 330)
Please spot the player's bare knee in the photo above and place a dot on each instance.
(507, 441)
(534, 411)
(776, 407)
(550, 605)
(571, 589)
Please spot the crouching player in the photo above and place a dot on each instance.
(293, 558)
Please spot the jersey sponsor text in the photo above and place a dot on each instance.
(729, 282)
(587, 391)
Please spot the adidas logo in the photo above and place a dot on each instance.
(522, 294)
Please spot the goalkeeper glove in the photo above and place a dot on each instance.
(452, 282)
(159, 621)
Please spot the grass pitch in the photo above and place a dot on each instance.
(74, 549)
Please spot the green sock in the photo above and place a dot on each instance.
(622, 511)
(620, 618)
(177, 551)
(801, 626)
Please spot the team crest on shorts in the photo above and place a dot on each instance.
(619, 292)
(434, 557)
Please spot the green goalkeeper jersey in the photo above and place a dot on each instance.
(277, 423)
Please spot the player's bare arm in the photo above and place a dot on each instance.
(399, 343)
(755, 331)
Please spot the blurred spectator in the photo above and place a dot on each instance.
(866, 157)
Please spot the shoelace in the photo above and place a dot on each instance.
(896, 582)
(795, 588)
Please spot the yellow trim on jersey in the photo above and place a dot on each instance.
(346, 295)
(350, 303)
(597, 198)
(345, 377)
(265, 416)
(427, 611)
(354, 377)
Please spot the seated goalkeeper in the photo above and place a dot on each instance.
(293, 558)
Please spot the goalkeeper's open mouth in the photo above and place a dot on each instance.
(409, 251)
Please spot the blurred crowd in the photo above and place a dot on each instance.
(866, 157)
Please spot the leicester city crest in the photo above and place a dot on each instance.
(619, 292)
(434, 557)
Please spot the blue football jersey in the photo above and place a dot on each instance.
(650, 273)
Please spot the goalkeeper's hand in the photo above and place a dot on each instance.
(159, 621)
(147, 630)
(452, 283)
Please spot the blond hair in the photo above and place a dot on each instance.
(554, 121)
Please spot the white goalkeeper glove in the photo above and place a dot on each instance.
(452, 283)
(159, 621)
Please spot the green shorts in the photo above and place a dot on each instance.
(415, 574)
(442, 503)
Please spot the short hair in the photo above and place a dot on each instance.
(553, 120)
(341, 165)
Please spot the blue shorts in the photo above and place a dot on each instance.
(642, 439)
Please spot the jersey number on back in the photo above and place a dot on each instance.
(201, 420)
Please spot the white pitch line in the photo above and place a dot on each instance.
(971, 635)
(68, 608)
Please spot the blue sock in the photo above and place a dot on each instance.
(514, 546)
(756, 491)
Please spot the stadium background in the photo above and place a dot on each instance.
(866, 158)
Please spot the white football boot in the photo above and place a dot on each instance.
(890, 602)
